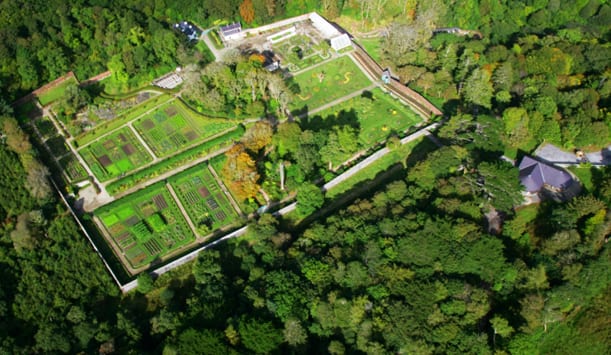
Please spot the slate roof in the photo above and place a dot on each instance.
(534, 174)
(231, 29)
(188, 29)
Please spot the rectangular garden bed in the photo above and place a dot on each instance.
(201, 195)
(73, 168)
(115, 154)
(146, 225)
(173, 127)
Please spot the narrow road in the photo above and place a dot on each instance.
(182, 210)
(141, 140)
(218, 53)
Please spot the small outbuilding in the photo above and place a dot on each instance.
(340, 42)
(188, 29)
(231, 32)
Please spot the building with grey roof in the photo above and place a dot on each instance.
(549, 181)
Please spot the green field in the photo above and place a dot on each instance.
(378, 115)
(173, 127)
(145, 226)
(115, 154)
(340, 77)
(56, 93)
(45, 127)
(201, 195)
(57, 145)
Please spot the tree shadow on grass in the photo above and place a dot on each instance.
(343, 118)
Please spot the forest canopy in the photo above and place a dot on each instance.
(408, 263)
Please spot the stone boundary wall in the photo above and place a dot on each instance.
(96, 78)
(46, 88)
(59, 81)
(412, 97)
(271, 26)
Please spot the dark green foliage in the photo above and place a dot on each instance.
(409, 268)
(14, 196)
(259, 336)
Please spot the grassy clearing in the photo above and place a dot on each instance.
(339, 78)
(174, 161)
(372, 46)
(115, 154)
(56, 93)
(201, 195)
(377, 113)
(396, 156)
(115, 123)
(145, 226)
(584, 174)
(172, 127)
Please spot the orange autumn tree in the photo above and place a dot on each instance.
(247, 11)
(240, 172)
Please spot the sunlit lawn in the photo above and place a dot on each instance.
(340, 77)
(377, 114)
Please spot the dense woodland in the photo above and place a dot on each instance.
(411, 267)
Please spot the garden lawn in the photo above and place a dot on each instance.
(173, 127)
(146, 225)
(298, 52)
(201, 195)
(115, 154)
(378, 115)
(340, 77)
(55, 93)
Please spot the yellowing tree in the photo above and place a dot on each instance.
(240, 173)
(247, 11)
